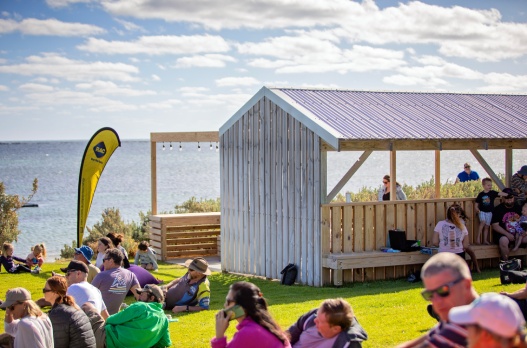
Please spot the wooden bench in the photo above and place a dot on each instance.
(370, 259)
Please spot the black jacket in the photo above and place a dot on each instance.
(71, 327)
(352, 338)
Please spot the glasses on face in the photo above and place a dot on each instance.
(70, 272)
(46, 290)
(106, 259)
(385, 182)
(442, 291)
(12, 307)
(467, 167)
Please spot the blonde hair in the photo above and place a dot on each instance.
(40, 249)
(32, 309)
(5, 247)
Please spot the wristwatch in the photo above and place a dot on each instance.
(187, 309)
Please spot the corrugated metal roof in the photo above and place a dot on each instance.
(370, 115)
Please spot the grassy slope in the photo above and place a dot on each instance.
(390, 311)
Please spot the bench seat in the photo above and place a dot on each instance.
(367, 259)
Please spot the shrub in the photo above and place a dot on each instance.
(9, 205)
(203, 206)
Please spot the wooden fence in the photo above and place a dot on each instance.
(363, 227)
(175, 236)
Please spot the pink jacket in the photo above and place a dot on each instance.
(252, 335)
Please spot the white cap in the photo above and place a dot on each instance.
(494, 312)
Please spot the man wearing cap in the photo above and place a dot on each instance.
(448, 284)
(492, 321)
(519, 185)
(190, 293)
(504, 216)
(467, 174)
(81, 290)
(85, 254)
(142, 324)
(115, 281)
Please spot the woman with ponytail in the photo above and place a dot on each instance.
(71, 326)
(451, 234)
(256, 328)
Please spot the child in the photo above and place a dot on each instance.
(8, 260)
(145, 256)
(484, 208)
(36, 257)
(519, 231)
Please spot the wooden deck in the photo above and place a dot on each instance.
(353, 233)
(176, 236)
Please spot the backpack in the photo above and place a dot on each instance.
(289, 274)
(506, 269)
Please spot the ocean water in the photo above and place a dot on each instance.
(125, 182)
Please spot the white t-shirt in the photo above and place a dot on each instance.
(31, 332)
(312, 338)
(450, 237)
(85, 292)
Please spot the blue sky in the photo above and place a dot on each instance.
(70, 67)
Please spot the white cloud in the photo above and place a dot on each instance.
(503, 82)
(4, 88)
(49, 27)
(226, 14)
(237, 81)
(111, 89)
(158, 45)
(35, 87)
(72, 70)
(129, 25)
(204, 61)
(192, 91)
(155, 77)
(64, 3)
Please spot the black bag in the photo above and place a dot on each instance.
(506, 267)
(289, 274)
(518, 277)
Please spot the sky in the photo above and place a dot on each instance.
(71, 67)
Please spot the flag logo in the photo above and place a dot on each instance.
(99, 149)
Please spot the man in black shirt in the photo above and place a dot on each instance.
(504, 218)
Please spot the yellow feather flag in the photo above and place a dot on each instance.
(97, 153)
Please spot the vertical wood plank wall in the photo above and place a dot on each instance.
(270, 195)
(357, 227)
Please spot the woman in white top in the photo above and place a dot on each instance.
(451, 234)
(103, 244)
(25, 321)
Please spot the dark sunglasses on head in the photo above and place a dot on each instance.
(442, 291)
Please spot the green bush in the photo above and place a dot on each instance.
(203, 206)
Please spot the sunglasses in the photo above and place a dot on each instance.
(12, 307)
(46, 290)
(467, 167)
(385, 182)
(442, 291)
(106, 259)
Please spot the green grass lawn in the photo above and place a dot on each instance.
(391, 312)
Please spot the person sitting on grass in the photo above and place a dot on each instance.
(256, 328)
(145, 256)
(492, 321)
(36, 257)
(71, 326)
(142, 324)
(190, 293)
(333, 325)
(7, 259)
(448, 284)
(115, 282)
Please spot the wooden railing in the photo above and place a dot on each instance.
(363, 227)
(184, 235)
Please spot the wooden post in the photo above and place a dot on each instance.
(393, 176)
(153, 175)
(438, 173)
(508, 167)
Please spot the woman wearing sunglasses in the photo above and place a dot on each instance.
(256, 328)
(451, 235)
(34, 327)
(384, 191)
(71, 326)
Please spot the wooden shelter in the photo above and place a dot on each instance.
(273, 165)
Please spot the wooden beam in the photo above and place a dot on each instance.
(487, 168)
(323, 176)
(393, 175)
(187, 137)
(153, 176)
(508, 167)
(438, 173)
(348, 175)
